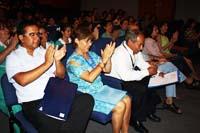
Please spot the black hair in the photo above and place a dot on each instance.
(149, 29)
(21, 27)
(116, 27)
(162, 23)
(104, 23)
(63, 27)
(83, 32)
(122, 21)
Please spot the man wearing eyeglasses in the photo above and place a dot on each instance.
(29, 68)
(128, 65)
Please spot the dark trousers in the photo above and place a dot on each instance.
(76, 122)
(144, 100)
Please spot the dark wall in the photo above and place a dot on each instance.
(187, 9)
(184, 8)
(68, 4)
(130, 6)
(70, 8)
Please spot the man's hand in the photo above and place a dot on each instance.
(161, 74)
(49, 56)
(152, 70)
(59, 54)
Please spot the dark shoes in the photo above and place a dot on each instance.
(139, 127)
(154, 118)
(195, 85)
(173, 108)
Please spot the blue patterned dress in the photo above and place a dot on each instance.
(105, 97)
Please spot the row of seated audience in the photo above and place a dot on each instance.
(50, 56)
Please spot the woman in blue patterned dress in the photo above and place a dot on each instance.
(84, 68)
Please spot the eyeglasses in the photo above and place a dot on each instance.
(32, 34)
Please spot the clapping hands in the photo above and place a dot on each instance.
(107, 52)
(60, 53)
(52, 53)
(13, 41)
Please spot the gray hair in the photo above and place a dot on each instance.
(132, 35)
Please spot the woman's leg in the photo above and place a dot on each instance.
(194, 73)
(127, 114)
(170, 93)
(117, 116)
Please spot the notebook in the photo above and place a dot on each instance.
(58, 98)
(169, 78)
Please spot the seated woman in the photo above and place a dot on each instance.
(124, 27)
(191, 39)
(174, 33)
(66, 32)
(108, 27)
(152, 52)
(84, 68)
(111, 31)
(165, 45)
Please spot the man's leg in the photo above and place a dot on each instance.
(80, 113)
(137, 93)
(39, 120)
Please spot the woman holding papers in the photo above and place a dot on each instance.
(84, 68)
(152, 52)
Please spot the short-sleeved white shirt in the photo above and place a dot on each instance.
(20, 61)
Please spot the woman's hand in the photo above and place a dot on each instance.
(158, 38)
(107, 52)
(174, 37)
(59, 54)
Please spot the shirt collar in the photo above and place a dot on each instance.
(22, 49)
(127, 48)
(2, 44)
(63, 42)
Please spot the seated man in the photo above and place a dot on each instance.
(128, 65)
(29, 68)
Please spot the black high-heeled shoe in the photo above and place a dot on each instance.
(195, 85)
(139, 127)
(173, 108)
